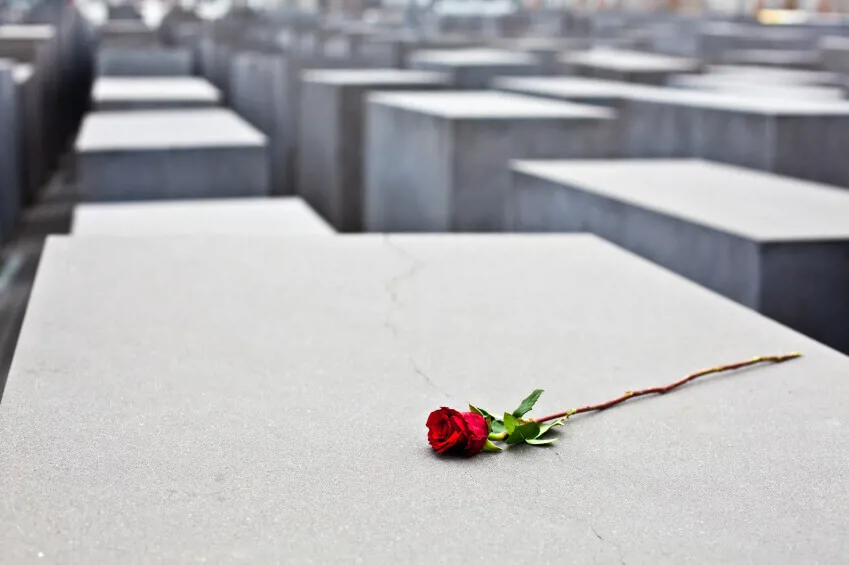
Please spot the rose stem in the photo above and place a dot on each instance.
(664, 389)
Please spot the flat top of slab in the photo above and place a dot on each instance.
(462, 57)
(486, 104)
(753, 204)
(254, 216)
(740, 103)
(373, 76)
(22, 72)
(194, 399)
(630, 61)
(163, 129)
(154, 89)
(772, 74)
(721, 83)
(566, 86)
(35, 32)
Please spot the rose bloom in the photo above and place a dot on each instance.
(450, 431)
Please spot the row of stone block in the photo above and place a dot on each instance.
(46, 74)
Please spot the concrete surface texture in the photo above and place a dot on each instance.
(126, 93)
(152, 61)
(330, 147)
(474, 69)
(438, 161)
(249, 216)
(158, 154)
(775, 244)
(212, 421)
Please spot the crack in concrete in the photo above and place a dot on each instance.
(612, 544)
(392, 291)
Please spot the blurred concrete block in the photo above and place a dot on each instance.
(751, 88)
(473, 69)
(162, 154)
(626, 66)
(10, 151)
(137, 61)
(834, 54)
(808, 59)
(330, 146)
(439, 161)
(232, 216)
(126, 33)
(777, 245)
(150, 93)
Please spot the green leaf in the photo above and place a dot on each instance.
(490, 447)
(525, 432)
(545, 427)
(480, 411)
(528, 403)
(498, 427)
(541, 441)
(510, 422)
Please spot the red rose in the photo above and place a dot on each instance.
(455, 432)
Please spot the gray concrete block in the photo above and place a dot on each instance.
(438, 161)
(547, 50)
(834, 54)
(149, 93)
(396, 47)
(774, 244)
(266, 89)
(11, 151)
(233, 216)
(772, 76)
(473, 69)
(768, 58)
(127, 33)
(30, 132)
(794, 137)
(136, 61)
(597, 92)
(164, 154)
(330, 146)
(718, 38)
(751, 88)
(156, 381)
(626, 66)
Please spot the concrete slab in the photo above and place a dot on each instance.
(330, 146)
(147, 93)
(159, 154)
(770, 58)
(127, 33)
(472, 69)
(438, 161)
(178, 426)
(834, 54)
(796, 138)
(775, 76)
(777, 245)
(721, 83)
(547, 50)
(266, 89)
(784, 135)
(136, 61)
(234, 216)
(11, 151)
(396, 47)
(598, 92)
(626, 66)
